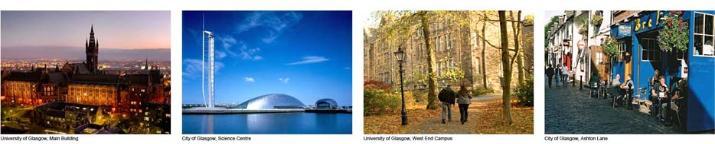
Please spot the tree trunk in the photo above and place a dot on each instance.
(484, 49)
(515, 28)
(506, 66)
(431, 96)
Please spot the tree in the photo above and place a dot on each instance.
(516, 29)
(484, 49)
(425, 26)
(452, 74)
(506, 67)
(401, 25)
(610, 47)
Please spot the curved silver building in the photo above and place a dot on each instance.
(272, 101)
(326, 104)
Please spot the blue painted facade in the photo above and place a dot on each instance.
(701, 82)
(701, 73)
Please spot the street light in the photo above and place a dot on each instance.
(401, 59)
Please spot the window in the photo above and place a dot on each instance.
(449, 41)
(704, 35)
(437, 42)
(649, 49)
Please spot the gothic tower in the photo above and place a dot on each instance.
(92, 51)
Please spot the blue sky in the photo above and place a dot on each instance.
(305, 54)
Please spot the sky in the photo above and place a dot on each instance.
(70, 29)
(305, 54)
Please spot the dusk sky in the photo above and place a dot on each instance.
(304, 54)
(70, 29)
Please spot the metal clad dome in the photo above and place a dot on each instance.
(326, 104)
(272, 101)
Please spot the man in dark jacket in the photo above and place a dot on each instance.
(447, 96)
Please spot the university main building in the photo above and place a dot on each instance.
(82, 98)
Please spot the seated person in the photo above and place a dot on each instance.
(616, 81)
(626, 86)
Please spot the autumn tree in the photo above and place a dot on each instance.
(506, 67)
(516, 30)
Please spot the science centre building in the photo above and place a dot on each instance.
(272, 101)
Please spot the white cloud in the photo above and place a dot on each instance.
(270, 37)
(227, 43)
(192, 67)
(284, 80)
(219, 54)
(309, 60)
(249, 79)
(274, 23)
(247, 53)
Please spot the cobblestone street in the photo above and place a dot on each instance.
(571, 111)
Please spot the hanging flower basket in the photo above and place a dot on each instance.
(674, 34)
(610, 47)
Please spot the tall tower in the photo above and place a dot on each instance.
(92, 51)
(209, 74)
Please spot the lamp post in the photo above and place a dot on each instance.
(401, 59)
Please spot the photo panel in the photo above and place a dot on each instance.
(117, 82)
(629, 72)
(448, 72)
(267, 72)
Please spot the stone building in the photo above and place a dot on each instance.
(451, 50)
(38, 86)
(85, 84)
(457, 47)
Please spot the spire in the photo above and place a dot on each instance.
(146, 64)
(91, 31)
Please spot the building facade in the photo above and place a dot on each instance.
(454, 50)
(34, 87)
(568, 45)
(637, 33)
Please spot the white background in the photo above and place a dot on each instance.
(361, 11)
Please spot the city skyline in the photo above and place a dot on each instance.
(264, 52)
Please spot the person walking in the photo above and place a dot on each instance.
(463, 100)
(446, 96)
(550, 74)
(557, 73)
